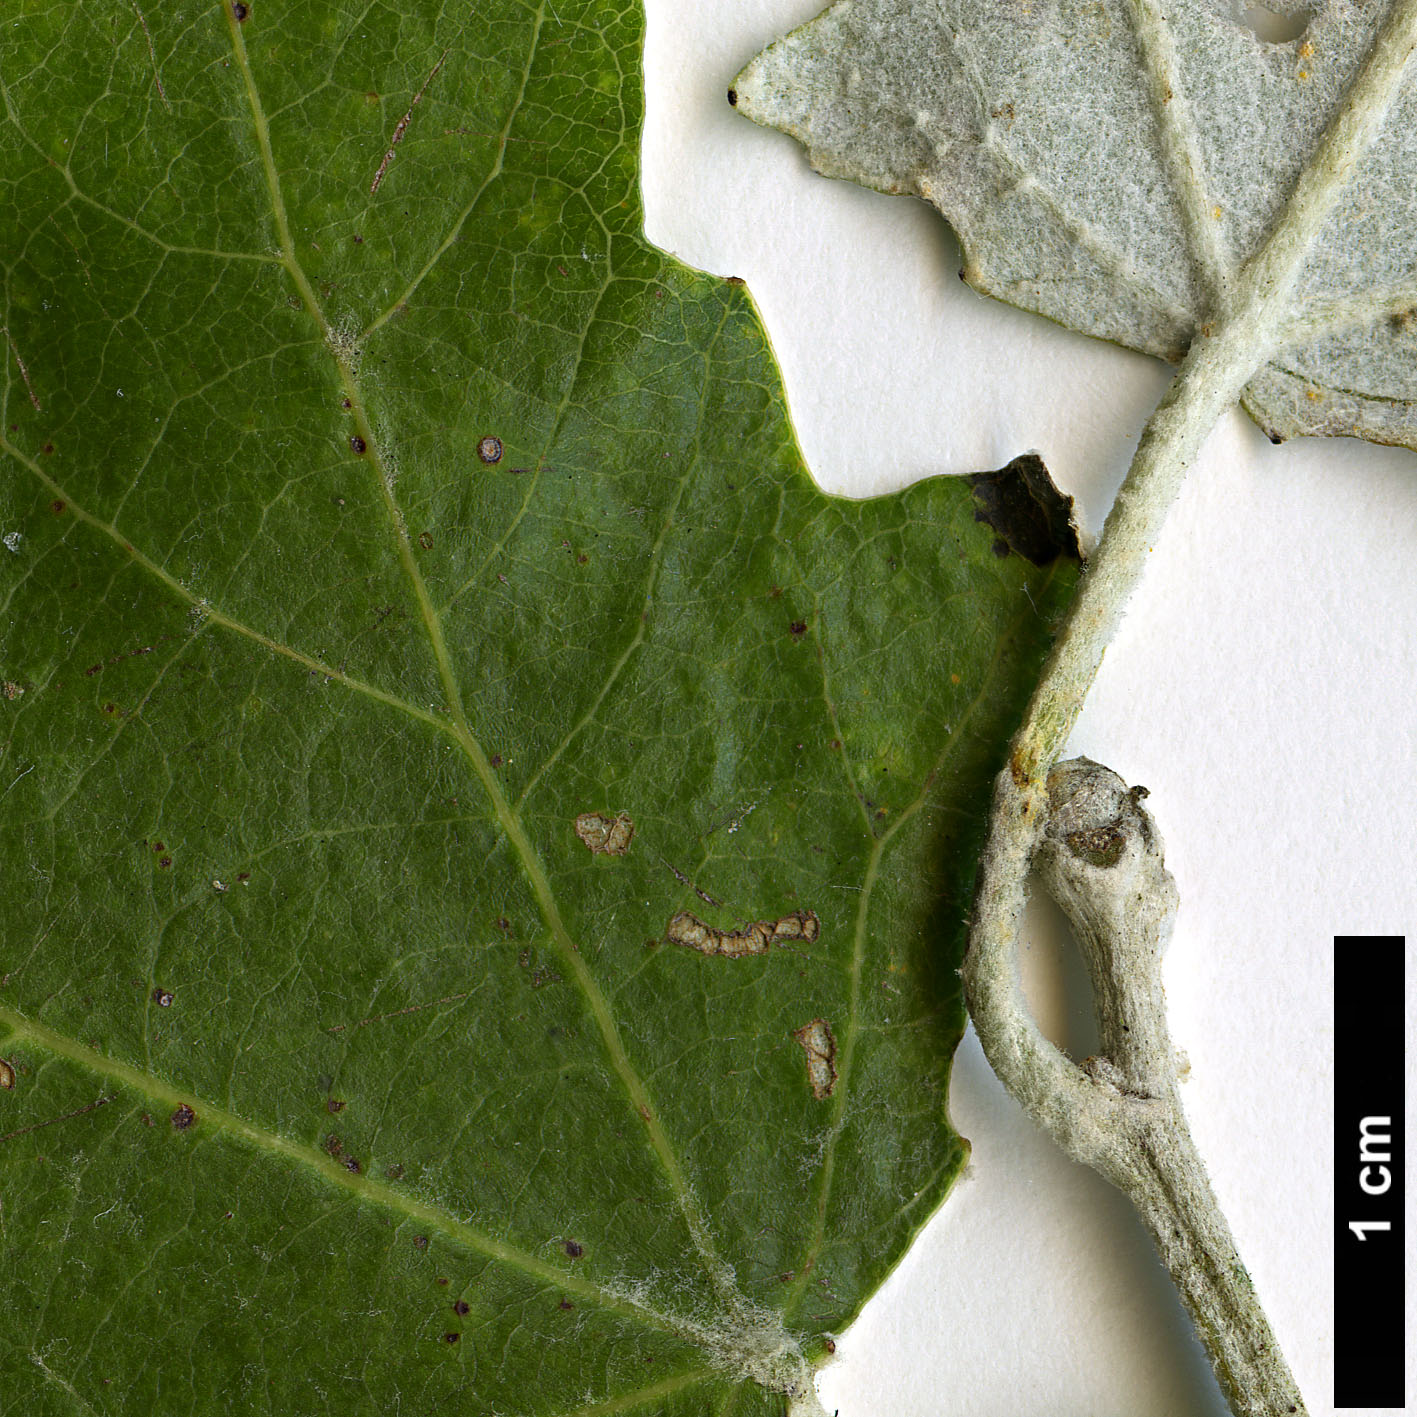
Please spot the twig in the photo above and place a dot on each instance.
(1155, 1160)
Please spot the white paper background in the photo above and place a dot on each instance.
(1262, 687)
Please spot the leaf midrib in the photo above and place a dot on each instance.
(637, 1093)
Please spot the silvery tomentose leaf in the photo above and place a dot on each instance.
(1110, 166)
(484, 841)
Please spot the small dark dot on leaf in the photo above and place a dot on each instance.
(490, 449)
(799, 628)
(352, 1165)
(462, 1308)
(333, 1144)
(425, 540)
(333, 1105)
(420, 1242)
(358, 444)
(566, 1304)
(165, 861)
(240, 11)
(56, 507)
(733, 98)
(495, 760)
(162, 998)
(183, 1117)
(345, 403)
(574, 1250)
(442, 1281)
(451, 1337)
(48, 448)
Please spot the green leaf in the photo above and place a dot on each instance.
(422, 647)
(1112, 166)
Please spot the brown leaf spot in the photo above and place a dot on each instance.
(462, 1308)
(691, 932)
(798, 628)
(425, 540)
(7, 1075)
(357, 444)
(420, 1242)
(333, 1145)
(574, 1250)
(819, 1044)
(605, 836)
(565, 1304)
(489, 449)
(351, 1164)
(333, 1105)
(451, 1337)
(183, 1117)
(162, 998)
(239, 12)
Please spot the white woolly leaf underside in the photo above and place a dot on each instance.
(1111, 167)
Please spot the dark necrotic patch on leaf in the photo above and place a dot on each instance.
(1021, 503)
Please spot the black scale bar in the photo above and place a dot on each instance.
(1369, 1162)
